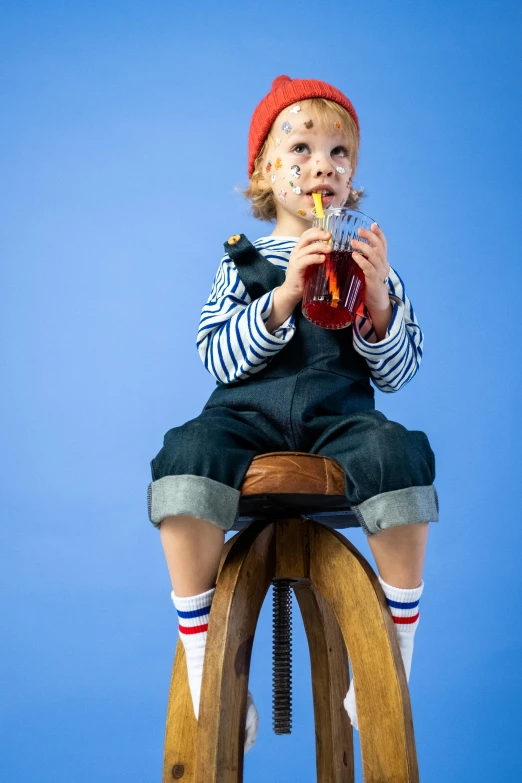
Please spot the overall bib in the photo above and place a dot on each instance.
(314, 396)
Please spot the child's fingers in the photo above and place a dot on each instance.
(363, 263)
(374, 240)
(377, 230)
(370, 265)
(312, 250)
(371, 252)
(312, 235)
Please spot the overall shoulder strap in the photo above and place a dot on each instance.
(257, 274)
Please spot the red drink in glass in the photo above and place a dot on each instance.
(333, 291)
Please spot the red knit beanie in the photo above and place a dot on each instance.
(284, 92)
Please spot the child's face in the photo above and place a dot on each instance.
(301, 159)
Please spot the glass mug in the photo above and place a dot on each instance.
(334, 289)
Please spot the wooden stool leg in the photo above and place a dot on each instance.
(347, 581)
(333, 731)
(244, 579)
(180, 734)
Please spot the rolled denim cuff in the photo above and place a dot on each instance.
(194, 496)
(399, 507)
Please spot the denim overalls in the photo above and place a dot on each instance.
(314, 396)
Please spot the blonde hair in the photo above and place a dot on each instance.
(327, 112)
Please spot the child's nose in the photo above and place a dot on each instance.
(323, 167)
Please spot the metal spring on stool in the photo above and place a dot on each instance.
(282, 656)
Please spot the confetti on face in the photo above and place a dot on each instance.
(309, 124)
(301, 212)
(340, 170)
(282, 195)
(337, 125)
(314, 211)
(268, 166)
(297, 190)
(295, 110)
(296, 171)
(286, 127)
(278, 163)
(278, 141)
(273, 178)
(290, 183)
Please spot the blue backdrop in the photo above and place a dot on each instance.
(124, 134)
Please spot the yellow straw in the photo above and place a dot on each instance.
(319, 212)
(330, 275)
(318, 203)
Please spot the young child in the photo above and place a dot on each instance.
(284, 384)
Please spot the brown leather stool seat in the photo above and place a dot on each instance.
(297, 483)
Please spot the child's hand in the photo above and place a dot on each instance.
(306, 252)
(373, 260)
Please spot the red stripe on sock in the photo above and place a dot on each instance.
(406, 620)
(194, 629)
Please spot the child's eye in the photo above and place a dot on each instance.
(336, 152)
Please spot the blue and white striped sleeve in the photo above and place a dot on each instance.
(394, 360)
(232, 340)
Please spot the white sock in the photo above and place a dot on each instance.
(193, 613)
(404, 606)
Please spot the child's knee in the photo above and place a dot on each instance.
(400, 456)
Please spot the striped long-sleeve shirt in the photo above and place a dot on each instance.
(234, 344)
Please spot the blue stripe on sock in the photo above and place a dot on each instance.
(194, 612)
(400, 605)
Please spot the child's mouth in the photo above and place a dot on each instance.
(327, 200)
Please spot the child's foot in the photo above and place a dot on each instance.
(404, 606)
(252, 723)
(193, 615)
(349, 706)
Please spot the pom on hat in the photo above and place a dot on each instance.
(279, 81)
(284, 92)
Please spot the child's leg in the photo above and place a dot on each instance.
(389, 474)
(399, 556)
(399, 553)
(193, 549)
(193, 498)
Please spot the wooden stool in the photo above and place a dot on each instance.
(290, 503)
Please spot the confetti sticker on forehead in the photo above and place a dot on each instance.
(286, 127)
(282, 195)
(296, 171)
(337, 125)
(295, 110)
(340, 170)
(278, 163)
(301, 212)
(268, 166)
(309, 124)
